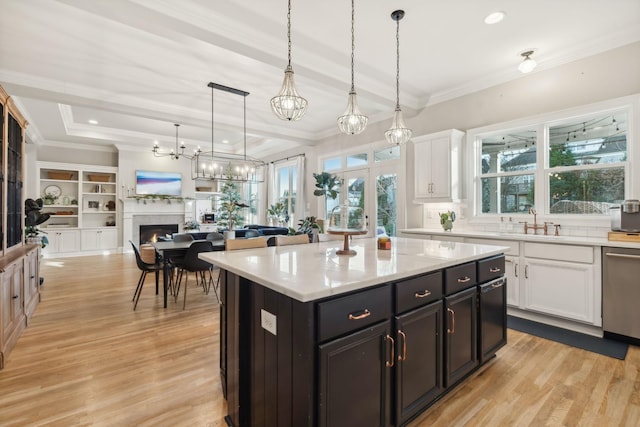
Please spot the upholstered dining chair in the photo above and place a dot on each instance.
(298, 239)
(145, 268)
(251, 233)
(182, 237)
(256, 242)
(214, 236)
(202, 269)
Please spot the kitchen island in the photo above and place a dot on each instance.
(311, 338)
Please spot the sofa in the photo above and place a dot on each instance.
(263, 230)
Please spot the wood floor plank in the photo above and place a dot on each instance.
(87, 359)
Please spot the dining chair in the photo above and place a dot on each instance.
(256, 242)
(298, 239)
(182, 237)
(193, 264)
(214, 235)
(145, 268)
(251, 233)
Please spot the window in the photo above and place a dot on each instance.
(387, 153)
(354, 160)
(586, 172)
(331, 164)
(576, 166)
(286, 189)
(506, 181)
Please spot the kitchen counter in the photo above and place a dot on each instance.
(561, 240)
(314, 271)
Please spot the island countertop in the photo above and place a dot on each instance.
(314, 271)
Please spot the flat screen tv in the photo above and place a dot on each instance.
(158, 183)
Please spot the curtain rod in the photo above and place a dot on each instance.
(284, 159)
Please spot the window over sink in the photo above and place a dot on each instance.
(569, 163)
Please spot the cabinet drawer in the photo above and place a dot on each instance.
(346, 314)
(459, 277)
(490, 268)
(418, 291)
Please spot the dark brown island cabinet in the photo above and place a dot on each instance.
(375, 357)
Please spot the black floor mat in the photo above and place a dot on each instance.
(602, 346)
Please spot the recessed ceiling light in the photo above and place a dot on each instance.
(93, 122)
(225, 141)
(494, 18)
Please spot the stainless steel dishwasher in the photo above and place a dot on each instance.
(621, 294)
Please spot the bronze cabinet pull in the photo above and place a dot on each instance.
(465, 279)
(515, 270)
(403, 356)
(423, 294)
(393, 345)
(453, 321)
(494, 270)
(365, 313)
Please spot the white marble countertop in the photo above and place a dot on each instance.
(562, 240)
(314, 271)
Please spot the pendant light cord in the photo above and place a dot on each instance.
(245, 127)
(353, 42)
(212, 150)
(398, 64)
(289, 32)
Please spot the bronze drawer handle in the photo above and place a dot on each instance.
(403, 356)
(365, 313)
(494, 270)
(464, 280)
(453, 321)
(496, 285)
(426, 293)
(393, 357)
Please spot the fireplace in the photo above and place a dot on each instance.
(150, 233)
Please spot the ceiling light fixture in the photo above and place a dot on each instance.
(398, 133)
(288, 104)
(494, 18)
(177, 152)
(93, 122)
(212, 166)
(527, 65)
(352, 122)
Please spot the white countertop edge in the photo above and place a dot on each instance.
(560, 240)
(219, 260)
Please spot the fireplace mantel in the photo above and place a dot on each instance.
(137, 212)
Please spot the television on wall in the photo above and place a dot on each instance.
(158, 183)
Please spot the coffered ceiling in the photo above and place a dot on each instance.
(139, 66)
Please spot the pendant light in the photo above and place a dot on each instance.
(176, 153)
(288, 105)
(398, 133)
(352, 122)
(528, 64)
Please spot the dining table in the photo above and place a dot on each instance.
(170, 249)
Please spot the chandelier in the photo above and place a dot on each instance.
(352, 122)
(220, 167)
(398, 133)
(176, 153)
(288, 104)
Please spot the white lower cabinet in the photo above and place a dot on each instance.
(62, 241)
(512, 266)
(98, 239)
(563, 281)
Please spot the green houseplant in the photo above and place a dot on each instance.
(33, 218)
(327, 184)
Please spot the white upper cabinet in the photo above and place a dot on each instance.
(437, 160)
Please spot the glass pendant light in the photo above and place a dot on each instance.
(288, 105)
(528, 64)
(352, 122)
(398, 133)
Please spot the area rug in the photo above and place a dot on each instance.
(602, 346)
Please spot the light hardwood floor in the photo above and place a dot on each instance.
(88, 359)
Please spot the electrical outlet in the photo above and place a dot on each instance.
(269, 321)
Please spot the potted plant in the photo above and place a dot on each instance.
(278, 213)
(33, 218)
(229, 212)
(192, 225)
(327, 185)
(309, 226)
(446, 220)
